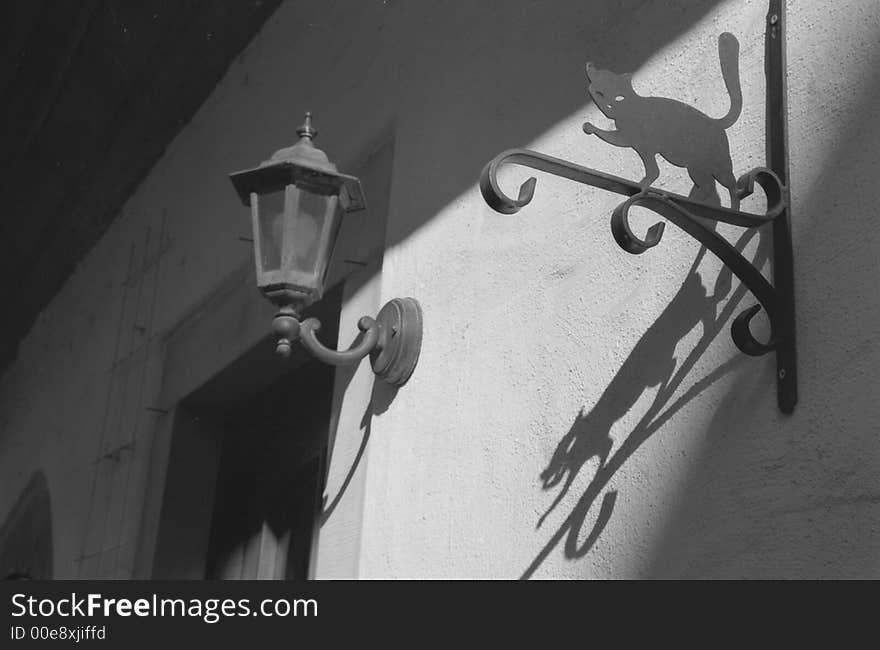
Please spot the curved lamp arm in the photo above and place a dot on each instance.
(372, 339)
(393, 339)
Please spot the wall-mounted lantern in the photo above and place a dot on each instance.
(297, 200)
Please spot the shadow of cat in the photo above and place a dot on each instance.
(651, 363)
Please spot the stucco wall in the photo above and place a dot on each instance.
(546, 347)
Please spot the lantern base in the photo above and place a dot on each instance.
(400, 341)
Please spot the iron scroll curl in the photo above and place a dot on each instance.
(680, 210)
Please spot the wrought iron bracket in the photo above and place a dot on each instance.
(392, 340)
(776, 299)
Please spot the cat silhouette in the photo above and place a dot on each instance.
(680, 133)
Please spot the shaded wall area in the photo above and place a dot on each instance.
(94, 92)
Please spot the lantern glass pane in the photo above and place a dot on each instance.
(302, 238)
(271, 229)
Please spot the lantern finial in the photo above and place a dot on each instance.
(306, 130)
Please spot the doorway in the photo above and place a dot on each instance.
(245, 477)
(267, 495)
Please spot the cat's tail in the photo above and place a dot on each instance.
(728, 55)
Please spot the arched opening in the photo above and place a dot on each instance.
(26, 534)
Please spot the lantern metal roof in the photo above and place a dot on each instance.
(300, 164)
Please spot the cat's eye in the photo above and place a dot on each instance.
(619, 98)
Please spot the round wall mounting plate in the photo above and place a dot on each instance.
(400, 321)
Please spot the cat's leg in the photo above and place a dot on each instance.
(611, 137)
(704, 186)
(703, 190)
(728, 180)
(652, 170)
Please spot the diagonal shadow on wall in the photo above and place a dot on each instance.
(652, 363)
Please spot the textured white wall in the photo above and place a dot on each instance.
(541, 336)
(537, 324)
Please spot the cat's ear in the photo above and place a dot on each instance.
(591, 69)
